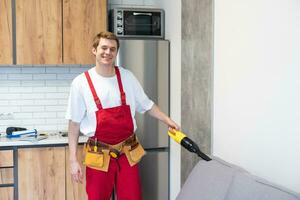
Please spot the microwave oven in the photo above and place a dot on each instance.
(137, 22)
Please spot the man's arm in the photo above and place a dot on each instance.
(158, 114)
(73, 135)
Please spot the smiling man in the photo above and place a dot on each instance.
(102, 105)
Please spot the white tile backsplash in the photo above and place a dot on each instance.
(20, 89)
(33, 83)
(37, 96)
(7, 108)
(4, 102)
(33, 70)
(58, 70)
(44, 76)
(45, 115)
(7, 83)
(47, 102)
(19, 77)
(21, 103)
(9, 70)
(3, 76)
(45, 89)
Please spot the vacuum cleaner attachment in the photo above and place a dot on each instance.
(187, 143)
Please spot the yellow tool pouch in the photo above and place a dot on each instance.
(134, 153)
(96, 159)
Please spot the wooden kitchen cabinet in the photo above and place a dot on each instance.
(75, 191)
(39, 31)
(82, 20)
(41, 173)
(58, 31)
(6, 174)
(7, 193)
(5, 32)
(6, 158)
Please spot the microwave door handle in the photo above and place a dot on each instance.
(136, 13)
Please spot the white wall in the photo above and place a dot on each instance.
(257, 87)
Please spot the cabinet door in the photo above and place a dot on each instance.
(82, 20)
(41, 173)
(6, 176)
(75, 191)
(5, 32)
(6, 158)
(7, 193)
(39, 31)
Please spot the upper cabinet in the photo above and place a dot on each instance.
(39, 31)
(51, 31)
(5, 32)
(82, 20)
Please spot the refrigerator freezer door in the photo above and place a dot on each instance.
(149, 62)
(155, 175)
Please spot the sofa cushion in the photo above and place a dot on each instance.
(249, 187)
(207, 181)
(219, 180)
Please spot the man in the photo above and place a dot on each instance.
(102, 105)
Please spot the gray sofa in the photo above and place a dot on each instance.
(219, 180)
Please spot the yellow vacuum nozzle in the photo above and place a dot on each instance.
(176, 135)
(187, 143)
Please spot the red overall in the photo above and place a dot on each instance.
(114, 125)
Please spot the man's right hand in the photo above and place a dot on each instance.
(76, 171)
(75, 168)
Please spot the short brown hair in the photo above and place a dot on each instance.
(106, 35)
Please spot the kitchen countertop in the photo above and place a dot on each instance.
(51, 139)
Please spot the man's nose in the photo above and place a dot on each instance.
(108, 51)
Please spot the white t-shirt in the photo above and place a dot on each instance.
(82, 107)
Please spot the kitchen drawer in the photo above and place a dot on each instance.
(6, 158)
(6, 176)
(6, 193)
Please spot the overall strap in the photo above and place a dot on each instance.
(96, 98)
(122, 93)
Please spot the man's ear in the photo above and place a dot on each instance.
(94, 51)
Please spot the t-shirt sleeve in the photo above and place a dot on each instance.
(76, 109)
(142, 101)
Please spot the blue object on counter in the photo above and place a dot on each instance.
(21, 133)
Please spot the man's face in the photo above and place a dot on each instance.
(106, 52)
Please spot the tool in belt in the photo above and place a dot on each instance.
(114, 150)
(98, 154)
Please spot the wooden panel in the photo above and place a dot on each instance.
(5, 32)
(6, 175)
(39, 31)
(41, 173)
(6, 193)
(82, 20)
(75, 191)
(6, 158)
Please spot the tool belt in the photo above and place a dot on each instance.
(98, 154)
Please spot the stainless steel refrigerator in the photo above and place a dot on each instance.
(149, 62)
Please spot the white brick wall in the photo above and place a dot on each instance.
(36, 95)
